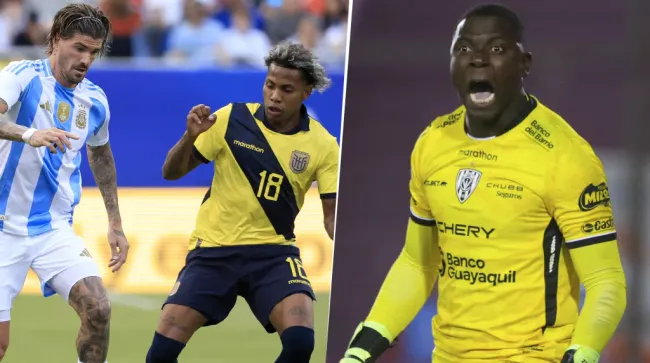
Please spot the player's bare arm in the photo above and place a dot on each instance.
(329, 212)
(102, 165)
(181, 159)
(52, 138)
(89, 299)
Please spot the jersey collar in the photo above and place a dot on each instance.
(303, 125)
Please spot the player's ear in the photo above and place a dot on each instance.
(308, 91)
(526, 62)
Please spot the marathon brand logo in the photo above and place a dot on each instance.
(479, 154)
(599, 226)
(464, 230)
(472, 270)
(540, 134)
(593, 196)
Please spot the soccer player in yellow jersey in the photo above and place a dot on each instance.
(510, 212)
(266, 158)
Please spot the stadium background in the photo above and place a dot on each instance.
(588, 64)
(151, 87)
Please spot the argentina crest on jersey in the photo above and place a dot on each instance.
(466, 182)
(299, 161)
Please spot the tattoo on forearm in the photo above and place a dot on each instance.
(102, 165)
(10, 130)
(89, 299)
(118, 232)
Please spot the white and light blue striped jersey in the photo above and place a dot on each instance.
(39, 190)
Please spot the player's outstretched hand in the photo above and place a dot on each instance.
(119, 248)
(199, 120)
(52, 138)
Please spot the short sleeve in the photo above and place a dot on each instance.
(420, 210)
(327, 175)
(100, 114)
(580, 201)
(11, 85)
(208, 145)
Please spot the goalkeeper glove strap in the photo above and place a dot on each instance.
(580, 354)
(367, 345)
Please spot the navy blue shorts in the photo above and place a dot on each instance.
(213, 277)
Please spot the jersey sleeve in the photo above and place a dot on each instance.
(580, 201)
(208, 145)
(327, 175)
(99, 136)
(12, 82)
(420, 210)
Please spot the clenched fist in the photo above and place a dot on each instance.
(199, 120)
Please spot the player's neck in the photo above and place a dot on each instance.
(480, 128)
(284, 126)
(58, 74)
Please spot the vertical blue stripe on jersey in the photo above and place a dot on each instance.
(47, 185)
(75, 183)
(242, 128)
(30, 97)
(62, 94)
(97, 116)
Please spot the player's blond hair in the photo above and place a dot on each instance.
(296, 56)
(79, 18)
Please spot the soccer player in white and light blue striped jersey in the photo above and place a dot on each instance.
(50, 111)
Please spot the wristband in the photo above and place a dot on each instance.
(28, 135)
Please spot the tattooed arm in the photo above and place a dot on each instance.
(102, 165)
(10, 130)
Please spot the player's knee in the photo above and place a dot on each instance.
(164, 350)
(297, 344)
(98, 314)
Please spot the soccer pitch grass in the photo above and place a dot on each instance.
(44, 330)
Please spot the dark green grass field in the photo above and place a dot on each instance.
(44, 330)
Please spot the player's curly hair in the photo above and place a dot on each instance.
(79, 18)
(296, 56)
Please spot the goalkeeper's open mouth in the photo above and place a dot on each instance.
(480, 93)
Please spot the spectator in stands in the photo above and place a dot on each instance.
(282, 18)
(197, 37)
(335, 41)
(125, 21)
(34, 33)
(242, 44)
(159, 17)
(11, 22)
(310, 36)
(226, 9)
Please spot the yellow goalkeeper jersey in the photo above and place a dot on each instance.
(507, 209)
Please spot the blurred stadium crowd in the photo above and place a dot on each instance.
(221, 33)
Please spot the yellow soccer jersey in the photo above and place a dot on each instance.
(507, 210)
(260, 176)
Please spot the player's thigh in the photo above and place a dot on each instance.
(15, 257)
(204, 294)
(62, 262)
(279, 293)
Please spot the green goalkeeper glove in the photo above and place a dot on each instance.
(367, 344)
(580, 354)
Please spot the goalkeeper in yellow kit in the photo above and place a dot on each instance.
(510, 212)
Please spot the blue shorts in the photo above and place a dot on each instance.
(264, 275)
